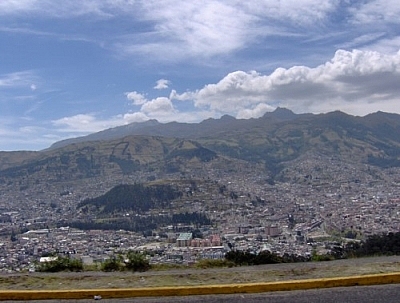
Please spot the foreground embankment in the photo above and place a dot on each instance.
(365, 271)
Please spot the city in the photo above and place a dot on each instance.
(323, 202)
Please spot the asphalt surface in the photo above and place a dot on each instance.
(358, 294)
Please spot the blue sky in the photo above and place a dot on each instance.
(69, 68)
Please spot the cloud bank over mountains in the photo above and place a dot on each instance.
(75, 67)
(358, 82)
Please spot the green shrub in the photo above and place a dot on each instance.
(60, 264)
(210, 263)
(136, 261)
(112, 264)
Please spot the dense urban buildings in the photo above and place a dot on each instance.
(311, 210)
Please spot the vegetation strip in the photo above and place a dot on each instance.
(376, 279)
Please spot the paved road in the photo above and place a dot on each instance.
(359, 294)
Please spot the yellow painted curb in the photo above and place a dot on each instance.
(200, 290)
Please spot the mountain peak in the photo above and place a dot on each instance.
(281, 114)
(227, 118)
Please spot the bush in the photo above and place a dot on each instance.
(210, 263)
(239, 258)
(321, 258)
(60, 264)
(136, 261)
(112, 264)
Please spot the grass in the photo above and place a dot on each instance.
(166, 275)
(207, 263)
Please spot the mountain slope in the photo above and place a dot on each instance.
(272, 142)
(182, 130)
(128, 155)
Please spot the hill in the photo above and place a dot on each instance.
(133, 197)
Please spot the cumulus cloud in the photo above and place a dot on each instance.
(86, 123)
(136, 98)
(174, 95)
(258, 111)
(162, 84)
(159, 107)
(89, 123)
(355, 81)
(135, 117)
(78, 123)
(349, 77)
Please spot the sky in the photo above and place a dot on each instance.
(70, 68)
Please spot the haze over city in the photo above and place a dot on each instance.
(72, 68)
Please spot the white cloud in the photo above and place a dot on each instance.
(65, 9)
(258, 111)
(137, 98)
(162, 84)
(362, 40)
(357, 82)
(304, 13)
(176, 29)
(135, 117)
(190, 29)
(16, 135)
(31, 129)
(234, 35)
(161, 106)
(385, 46)
(206, 28)
(359, 77)
(85, 123)
(181, 97)
(18, 79)
(166, 12)
(75, 122)
(376, 12)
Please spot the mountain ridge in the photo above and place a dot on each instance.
(175, 129)
(272, 142)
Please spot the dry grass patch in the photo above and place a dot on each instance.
(189, 276)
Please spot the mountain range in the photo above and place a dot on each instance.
(272, 142)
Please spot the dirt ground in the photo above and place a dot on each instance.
(192, 276)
